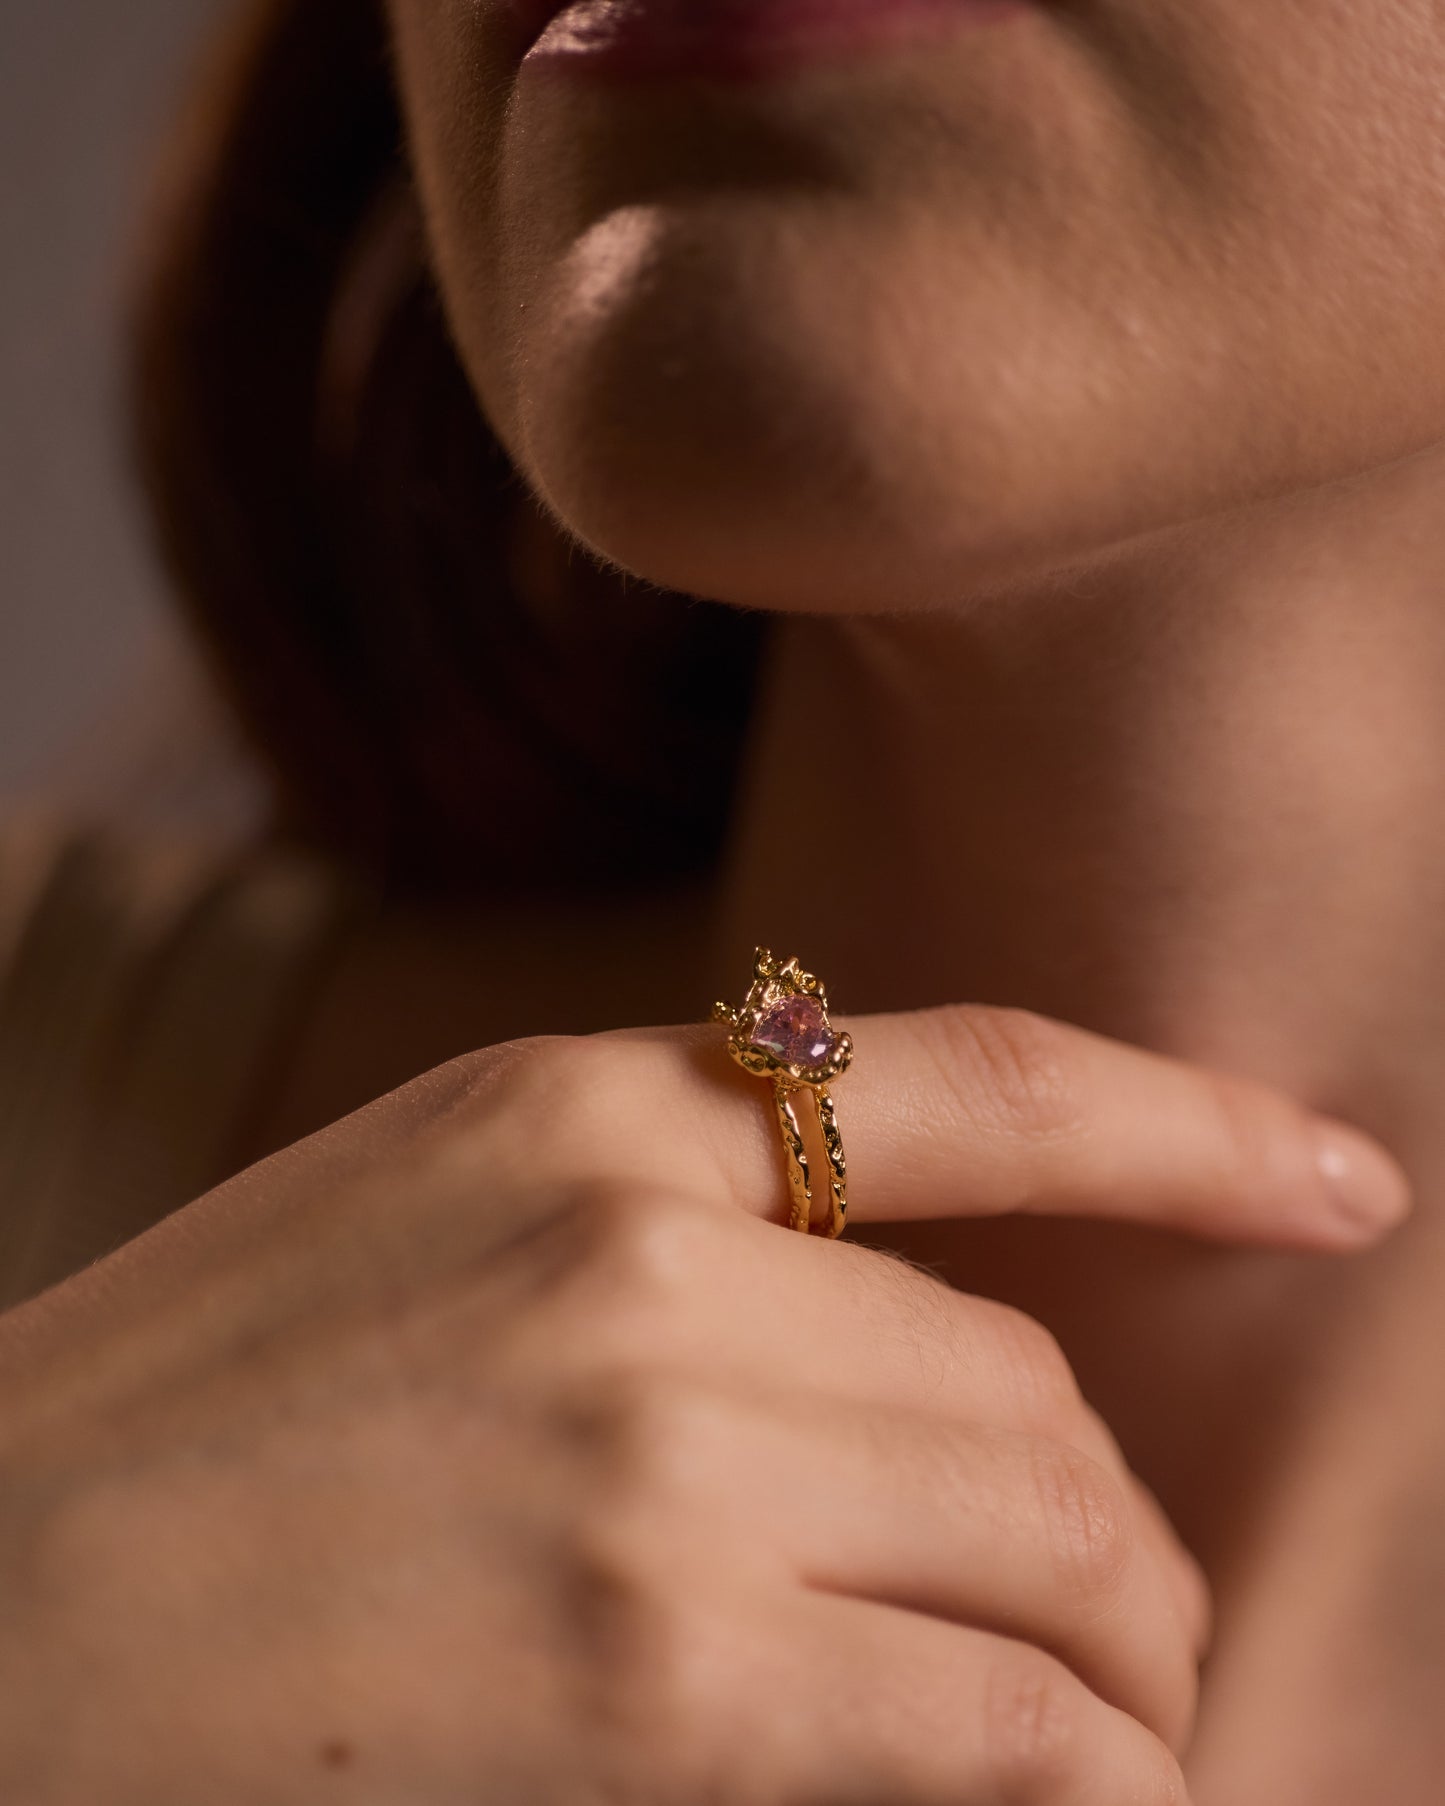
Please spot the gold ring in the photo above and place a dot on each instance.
(781, 1032)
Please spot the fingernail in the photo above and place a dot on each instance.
(1368, 1189)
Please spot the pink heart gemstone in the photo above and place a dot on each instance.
(795, 1031)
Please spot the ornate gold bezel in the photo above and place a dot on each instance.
(774, 980)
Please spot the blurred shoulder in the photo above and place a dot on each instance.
(152, 825)
(149, 984)
(29, 848)
(76, 884)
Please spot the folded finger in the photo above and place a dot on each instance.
(1003, 1532)
(891, 1709)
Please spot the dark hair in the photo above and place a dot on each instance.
(446, 690)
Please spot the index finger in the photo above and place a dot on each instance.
(969, 1111)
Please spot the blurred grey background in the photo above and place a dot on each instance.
(85, 87)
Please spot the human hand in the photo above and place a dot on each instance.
(489, 1445)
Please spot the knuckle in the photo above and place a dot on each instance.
(636, 1254)
(1032, 1726)
(1034, 1369)
(577, 1079)
(909, 1310)
(625, 1633)
(619, 1615)
(563, 1093)
(1088, 1525)
(658, 1681)
(648, 1234)
(471, 1087)
(1011, 1068)
(654, 1449)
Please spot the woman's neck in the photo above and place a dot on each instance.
(1195, 799)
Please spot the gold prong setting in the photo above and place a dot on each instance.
(775, 984)
(781, 1032)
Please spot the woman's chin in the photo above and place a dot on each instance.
(739, 428)
(788, 551)
(833, 525)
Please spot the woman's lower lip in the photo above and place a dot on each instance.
(740, 38)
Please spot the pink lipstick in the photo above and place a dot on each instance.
(735, 38)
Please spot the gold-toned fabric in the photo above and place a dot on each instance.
(147, 994)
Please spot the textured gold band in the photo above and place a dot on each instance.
(800, 1173)
(782, 1033)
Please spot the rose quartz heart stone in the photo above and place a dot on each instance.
(795, 1031)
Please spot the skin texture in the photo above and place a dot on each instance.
(939, 322)
(1082, 383)
(1052, 337)
(427, 1454)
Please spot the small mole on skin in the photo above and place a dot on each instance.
(337, 1755)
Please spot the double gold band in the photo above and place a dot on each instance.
(781, 1033)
